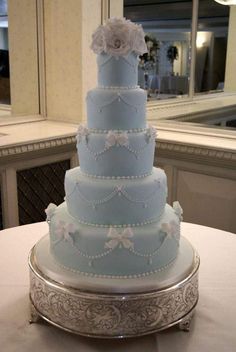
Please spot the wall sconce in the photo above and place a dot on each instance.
(226, 2)
(201, 39)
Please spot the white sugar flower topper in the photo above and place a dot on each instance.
(119, 239)
(119, 37)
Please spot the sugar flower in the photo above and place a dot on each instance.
(119, 37)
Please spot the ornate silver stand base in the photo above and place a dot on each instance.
(112, 315)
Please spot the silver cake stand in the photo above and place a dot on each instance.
(113, 308)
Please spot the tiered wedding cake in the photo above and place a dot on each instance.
(113, 263)
(115, 220)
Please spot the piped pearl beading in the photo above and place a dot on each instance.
(118, 190)
(91, 258)
(119, 87)
(87, 256)
(146, 222)
(115, 177)
(117, 96)
(134, 152)
(135, 276)
(135, 130)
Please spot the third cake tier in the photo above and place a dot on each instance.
(116, 153)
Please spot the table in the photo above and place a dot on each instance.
(213, 326)
(174, 84)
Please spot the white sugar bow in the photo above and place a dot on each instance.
(113, 139)
(50, 210)
(82, 132)
(171, 229)
(64, 230)
(178, 210)
(119, 239)
(151, 132)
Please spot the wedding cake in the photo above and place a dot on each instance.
(115, 221)
(113, 263)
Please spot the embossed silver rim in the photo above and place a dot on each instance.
(117, 315)
(123, 336)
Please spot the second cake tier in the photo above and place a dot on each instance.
(116, 108)
(115, 201)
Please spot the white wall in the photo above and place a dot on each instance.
(23, 49)
(230, 73)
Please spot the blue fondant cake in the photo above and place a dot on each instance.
(115, 221)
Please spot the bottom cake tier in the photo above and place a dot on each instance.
(124, 252)
(113, 307)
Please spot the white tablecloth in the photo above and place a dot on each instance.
(212, 329)
(174, 84)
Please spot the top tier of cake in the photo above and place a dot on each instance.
(119, 71)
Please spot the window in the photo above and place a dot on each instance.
(175, 68)
(211, 46)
